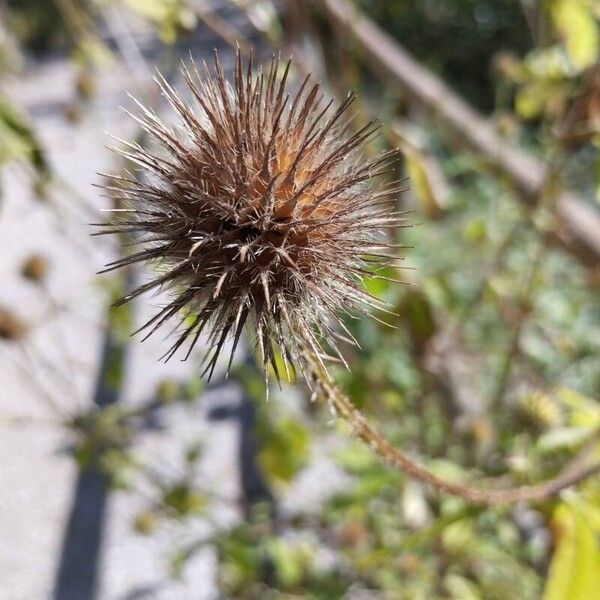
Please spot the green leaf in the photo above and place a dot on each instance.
(288, 560)
(575, 567)
(184, 500)
(145, 523)
(461, 588)
(475, 231)
(529, 100)
(280, 372)
(17, 140)
(284, 451)
(561, 438)
(356, 459)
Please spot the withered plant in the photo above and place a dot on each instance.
(259, 212)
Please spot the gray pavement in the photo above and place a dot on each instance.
(52, 371)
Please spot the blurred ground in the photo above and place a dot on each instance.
(58, 359)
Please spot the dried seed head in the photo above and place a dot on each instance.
(11, 326)
(259, 213)
(35, 268)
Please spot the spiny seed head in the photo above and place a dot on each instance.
(258, 213)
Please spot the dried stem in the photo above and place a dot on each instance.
(513, 351)
(576, 470)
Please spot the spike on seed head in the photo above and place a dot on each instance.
(258, 213)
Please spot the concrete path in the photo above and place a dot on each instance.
(51, 372)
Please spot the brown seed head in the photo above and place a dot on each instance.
(35, 268)
(258, 213)
(11, 326)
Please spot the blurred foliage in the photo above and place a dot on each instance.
(575, 568)
(38, 25)
(457, 38)
(491, 366)
(18, 142)
(170, 16)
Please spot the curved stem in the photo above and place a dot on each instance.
(576, 470)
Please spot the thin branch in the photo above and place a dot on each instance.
(576, 470)
(513, 349)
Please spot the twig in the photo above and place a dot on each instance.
(576, 470)
(513, 347)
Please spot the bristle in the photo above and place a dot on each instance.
(259, 213)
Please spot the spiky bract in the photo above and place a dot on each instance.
(258, 213)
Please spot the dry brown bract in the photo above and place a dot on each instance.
(260, 212)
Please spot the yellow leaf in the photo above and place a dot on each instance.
(529, 101)
(281, 372)
(591, 513)
(583, 411)
(577, 27)
(575, 568)
(422, 185)
(284, 451)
